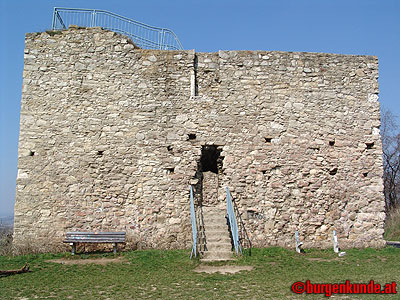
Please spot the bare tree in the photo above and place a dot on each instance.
(391, 159)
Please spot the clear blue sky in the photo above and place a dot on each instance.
(369, 27)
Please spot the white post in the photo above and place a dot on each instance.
(335, 242)
(298, 243)
(192, 85)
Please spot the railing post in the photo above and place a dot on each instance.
(93, 19)
(53, 25)
(232, 222)
(194, 226)
(162, 39)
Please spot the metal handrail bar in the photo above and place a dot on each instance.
(136, 37)
(59, 19)
(232, 222)
(193, 221)
(162, 38)
(243, 236)
(202, 239)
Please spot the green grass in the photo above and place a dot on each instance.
(156, 274)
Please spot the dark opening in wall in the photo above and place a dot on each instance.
(170, 170)
(365, 174)
(331, 143)
(252, 214)
(31, 153)
(191, 136)
(268, 140)
(169, 148)
(210, 158)
(100, 152)
(370, 145)
(333, 171)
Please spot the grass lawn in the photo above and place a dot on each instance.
(156, 274)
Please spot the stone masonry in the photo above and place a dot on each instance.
(112, 136)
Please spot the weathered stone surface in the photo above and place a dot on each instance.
(111, 138)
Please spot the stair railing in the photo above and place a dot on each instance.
(201, 233)
(243, 236)
(232, 222)
(194, 227)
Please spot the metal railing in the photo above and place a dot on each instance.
(194, 227)
(232, 222)
(142, 35)
(244, 239)
(201, 233)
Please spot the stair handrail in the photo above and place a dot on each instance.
(244, 239)
(193, 221)
(141, 34)
(201, 234)
(232, 222)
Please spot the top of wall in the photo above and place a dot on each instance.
(119, 38)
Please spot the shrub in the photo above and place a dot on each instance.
(392, 225)
(6, 237)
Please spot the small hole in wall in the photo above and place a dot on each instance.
(333, 171)
(100, 153)
(331, 143)
(370, 145)
(365, 174)
(191, 136)
(264, 171)
(170, 170)
(31, 153)
(169, 148)
(268, 140)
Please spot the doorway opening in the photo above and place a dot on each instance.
(211, 160)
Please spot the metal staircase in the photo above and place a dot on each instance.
(216, 232)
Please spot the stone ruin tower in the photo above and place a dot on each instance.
(112, 136)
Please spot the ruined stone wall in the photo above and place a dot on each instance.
(111, 138)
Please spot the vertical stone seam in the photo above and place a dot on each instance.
(193, 77)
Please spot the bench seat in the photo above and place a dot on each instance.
(94, 237)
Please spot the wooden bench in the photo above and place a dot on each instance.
(94, 237)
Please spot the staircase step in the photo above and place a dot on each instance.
(216, 227)
(221, 231)
(218, 241)
(219, 247)
(220, 219)
(214, 214)
(213, 208)
(215, 259)
(218, 255)
(218, 234)
(215, 223)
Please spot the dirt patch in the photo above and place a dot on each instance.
(98, 261)
(222, 269)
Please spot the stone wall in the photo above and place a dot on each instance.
(112, 136)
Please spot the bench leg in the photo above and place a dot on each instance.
(73, 250)
(115, 248)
